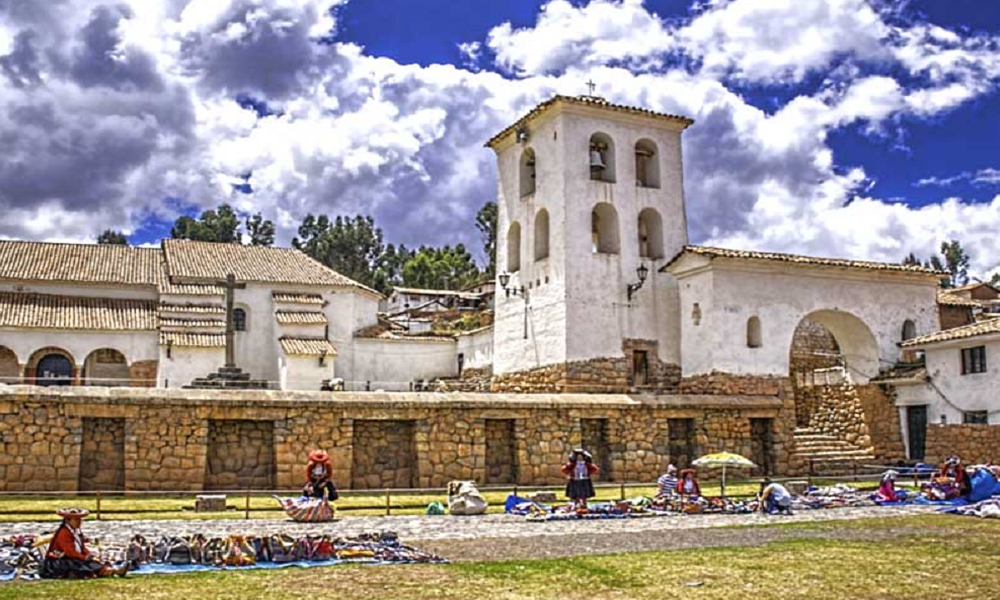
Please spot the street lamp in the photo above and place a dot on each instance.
(516, 291)
(642, 272)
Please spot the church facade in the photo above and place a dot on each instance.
(106, 315)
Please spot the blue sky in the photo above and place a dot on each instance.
(862, 128)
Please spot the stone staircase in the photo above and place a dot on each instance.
(828, 454)
(227, 378)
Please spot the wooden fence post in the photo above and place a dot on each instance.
(388, 506)
(247, 513)
(98, 505)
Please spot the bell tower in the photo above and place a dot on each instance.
(590, 205)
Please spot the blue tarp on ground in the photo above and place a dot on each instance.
(983, 485)
(163, 568)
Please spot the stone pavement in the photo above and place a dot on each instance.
(416, 528)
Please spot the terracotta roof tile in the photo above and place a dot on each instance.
(178, 323)
(193, 340)
(290, 317)
(80, 263)
(387, 332)
(45, 311)
(800, 259)
(307, 346)
(297, 298)
(207, 261)
(593, 101)
(956, 333)
(198, 309)
(948, 298)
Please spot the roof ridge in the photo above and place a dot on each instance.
(800, 258)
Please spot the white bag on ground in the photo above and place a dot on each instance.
(465, 499)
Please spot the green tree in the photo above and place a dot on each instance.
(260, 230)
(222, 225)
(486, 223)
(218, 225)
(352, 247)
(956, 263)
(389, 272)
(995, 280)
(447, 268)
(911, 260)
(109, 236)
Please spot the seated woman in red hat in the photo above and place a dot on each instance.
(319, 476)
(68, 557)
(687, 485)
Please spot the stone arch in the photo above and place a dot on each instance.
(602, 147)
(604, 229)
(857, 349)
(650, 233)
(754, 337)
(514, 247)
(106, 367)
(10, 368)
(647, 164)
(52, 366)
(542, 234)
(528, 172)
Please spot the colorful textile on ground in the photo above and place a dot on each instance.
(987, 509)
(20, 557)
(306, 509)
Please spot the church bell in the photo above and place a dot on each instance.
(596, 160)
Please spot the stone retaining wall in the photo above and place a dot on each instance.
(607, 375)
(170, 442)
(975, 444)
(882, 419)
(102, 455)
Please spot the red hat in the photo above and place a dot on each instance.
(691, 472)
(319, 456)
(73, 513)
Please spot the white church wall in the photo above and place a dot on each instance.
(348, 311)
(600, 315)
(186, 364)
(476, 348)
(134, 345)
(781, 296)
(257, 347)
(305, 372)
(392, 365)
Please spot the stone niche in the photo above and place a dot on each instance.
(240, 455)
(501, 452)
(102, 455)
(594, 439)
(683, 447)
(385, 454)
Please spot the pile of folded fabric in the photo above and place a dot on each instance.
(986, 509)
(835, 496)
(22, 556)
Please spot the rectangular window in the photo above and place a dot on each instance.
(640, 367)
(974, 360)
(975, 417)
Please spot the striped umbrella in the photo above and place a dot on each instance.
(724, 460)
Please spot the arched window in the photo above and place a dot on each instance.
(106, 367)
(650, 234)
(10, 368)
(753, 333)
(542, 234)
(514, 247)
(602, 158)
(604, 229)
(909, 330)
(647, 164)
(527, 172)
(239, 319)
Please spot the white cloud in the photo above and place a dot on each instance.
(599, 33)
(149, 97)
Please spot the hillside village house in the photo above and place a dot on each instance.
(598, 291)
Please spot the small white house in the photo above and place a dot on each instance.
(961, 382)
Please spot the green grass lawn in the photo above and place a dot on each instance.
(944, 558)
(42, 508)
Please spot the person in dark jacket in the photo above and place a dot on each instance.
(68, 557)
(319, 476)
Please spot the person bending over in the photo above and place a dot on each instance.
(319, 477)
